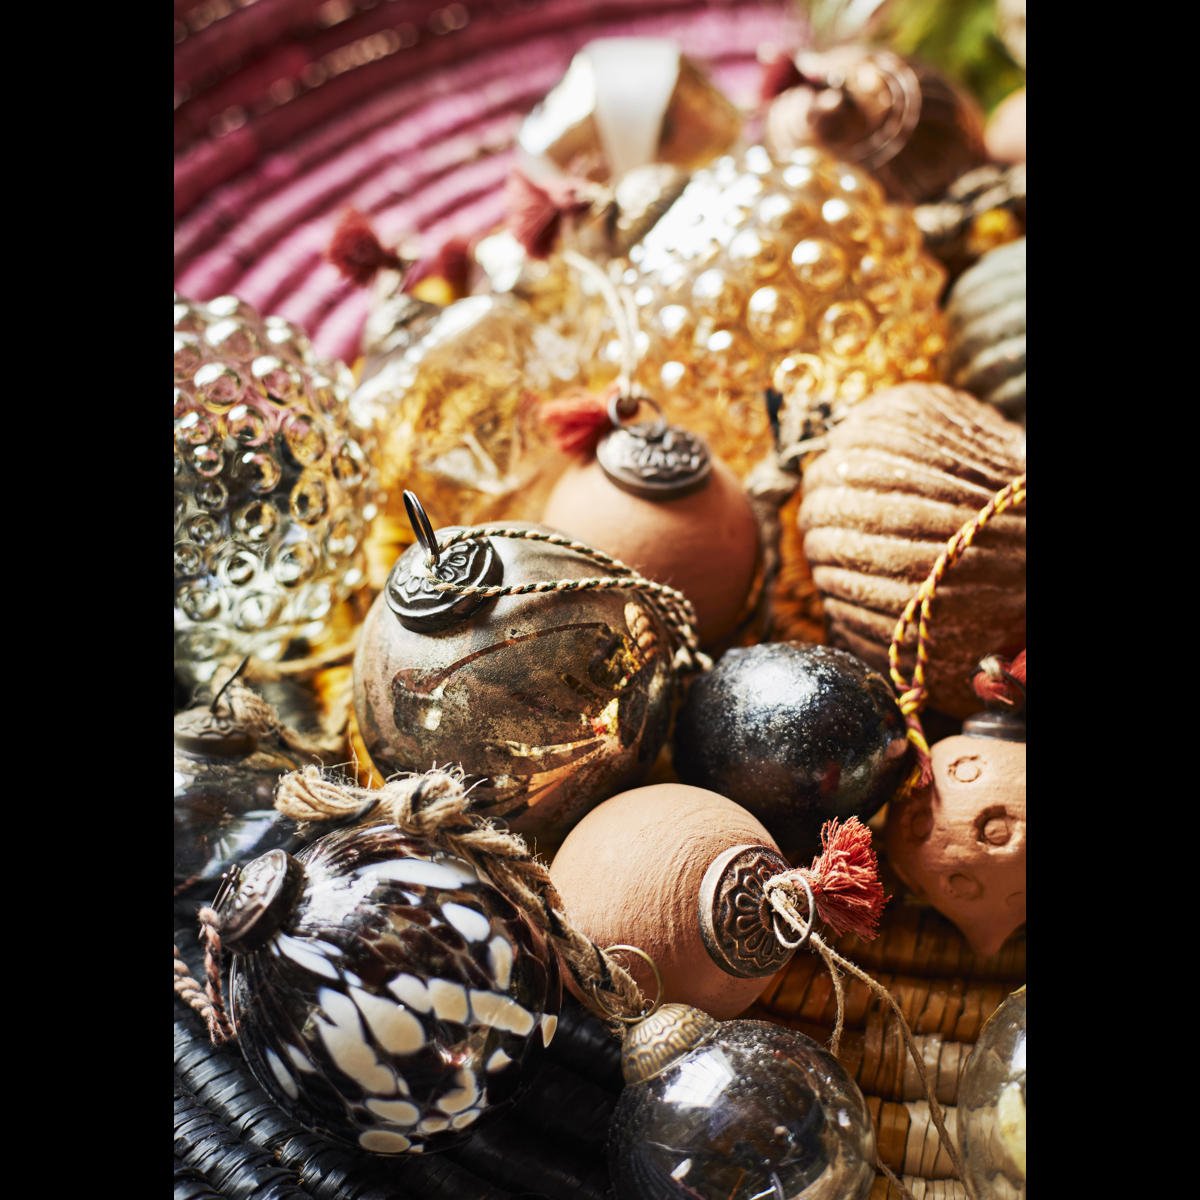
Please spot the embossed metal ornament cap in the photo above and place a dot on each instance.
(415, 598)
(652, 1045)
(654, 460)
(736, 919)
(254, 902)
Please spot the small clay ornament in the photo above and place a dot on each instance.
(654, 497)
(229, 753)
(992, 1136)
(385, 996)
(960, 844)
(632, 872)
(733, 1111)
(796, 735)
(549, 701)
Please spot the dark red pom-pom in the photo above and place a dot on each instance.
(357, 252)
(536, 210)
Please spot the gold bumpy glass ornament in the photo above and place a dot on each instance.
(793, 275)
(272, 487)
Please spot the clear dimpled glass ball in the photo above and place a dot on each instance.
(755, 1111)
(272, 487)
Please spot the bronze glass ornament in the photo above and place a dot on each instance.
(906, 123)
(992, 1107)
(549, 701)
(797, 735)
(225, 774)
(384, 994)
(735, 1110)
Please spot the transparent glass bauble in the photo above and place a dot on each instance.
(755, 1111)
(451, 403)
(273, 489)
(992, 1105)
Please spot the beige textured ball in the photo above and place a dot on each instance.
(629, 873)
(905, 470)
(705, 544)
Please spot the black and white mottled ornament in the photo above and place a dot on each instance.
(384, 994)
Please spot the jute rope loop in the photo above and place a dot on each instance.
(913, 695)
(672, 605)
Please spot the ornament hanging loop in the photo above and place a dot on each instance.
(658, 996)
(623, 405)
(418, 518)
(776, 891)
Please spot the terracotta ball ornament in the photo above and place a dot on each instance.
(654, 496)
(630, 873)
(960, 844)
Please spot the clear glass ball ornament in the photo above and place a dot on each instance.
(753, 1110)
(273, 490)
(992, 1107)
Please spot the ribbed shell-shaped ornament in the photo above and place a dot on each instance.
(795, 275)
(272, 487)
(986, 314)
(902, 474)
(384, 994)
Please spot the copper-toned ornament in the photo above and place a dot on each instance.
(549, 701)
(906, 123)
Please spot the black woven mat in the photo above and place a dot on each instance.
(232, 1141)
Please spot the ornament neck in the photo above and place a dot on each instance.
(254, 902)
(663, 1038)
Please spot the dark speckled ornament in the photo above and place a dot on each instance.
(795, 734)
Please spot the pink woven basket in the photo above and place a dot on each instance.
(290, 111)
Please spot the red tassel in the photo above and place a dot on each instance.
(451, 263)
(844, 879)
(779, 75)
(536, 210)
(579, 420)
(990, 684)
(357, 252)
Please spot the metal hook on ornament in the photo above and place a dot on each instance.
(418, 518)
(212, 708)
(658, 979)
(624, 405)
